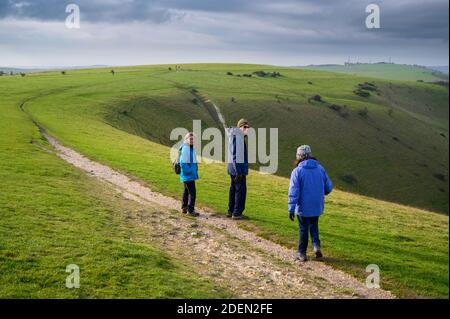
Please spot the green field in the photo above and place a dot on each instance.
(384, 71)
(95, 112)
(50, 217)
(397, 151)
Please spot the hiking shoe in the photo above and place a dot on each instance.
(301, 257)
(238, 217)
(184, 210)
(318, 252)
(193, 214)
(230, 214)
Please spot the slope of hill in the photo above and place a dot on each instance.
(440, 68)
(84, 109)
(401, 126)
(17, 70)
(52, 216)
(385, 71)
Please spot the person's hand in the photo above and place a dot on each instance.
(292, 216)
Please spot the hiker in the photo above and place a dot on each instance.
(238, 169)
(308, 187)
(188, 174)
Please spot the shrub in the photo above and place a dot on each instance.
(267, 74)
(363, 113)
(317, 98)
(440, 177)
(349, 179)
(361, 93)
(368, 86)
(260, 73)
(335, 107)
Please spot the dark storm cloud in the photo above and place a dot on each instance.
(422, 20)
(332, 29)
(91, 10)
(400, 18)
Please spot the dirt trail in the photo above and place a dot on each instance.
(251, 267)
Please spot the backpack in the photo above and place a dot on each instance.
(176, 164)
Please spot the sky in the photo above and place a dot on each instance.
(281, 32)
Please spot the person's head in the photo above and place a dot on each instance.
(243, 125)
(304, 152)
(189, 139)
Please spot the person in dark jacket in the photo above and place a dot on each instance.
(308, 186)
(238, 169)
(188, 174)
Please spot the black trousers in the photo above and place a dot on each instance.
(189, 195)
(237, 196)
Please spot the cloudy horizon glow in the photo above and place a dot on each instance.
(284, 32)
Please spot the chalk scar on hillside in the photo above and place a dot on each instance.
(250, 266)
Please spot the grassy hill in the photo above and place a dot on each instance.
(7, 71)
(392, 145)
(95, 112)
(52, 215)
(385, 71)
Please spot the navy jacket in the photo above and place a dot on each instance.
(237, 153)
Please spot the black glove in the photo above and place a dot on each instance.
(292, 216)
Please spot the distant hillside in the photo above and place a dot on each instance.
(8, 70)
(377, 138)
(386, 71)
(442, 69)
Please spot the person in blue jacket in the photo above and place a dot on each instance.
(237, 168)
(188, 174)
(308, 186)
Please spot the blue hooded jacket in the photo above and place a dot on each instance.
(309, 185)
(188, 164)
(237, 153)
